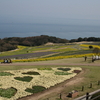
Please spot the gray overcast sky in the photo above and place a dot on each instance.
(50, 11)
(35, 10)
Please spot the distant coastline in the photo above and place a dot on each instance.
(58, 30)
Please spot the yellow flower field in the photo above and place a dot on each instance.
(47, 78)
(86, 45)
(52, 58)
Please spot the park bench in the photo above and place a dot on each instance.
(73, 94)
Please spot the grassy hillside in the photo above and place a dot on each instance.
(56, 48)
(49, 52)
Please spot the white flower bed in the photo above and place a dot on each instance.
(47, 78)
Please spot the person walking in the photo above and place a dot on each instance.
(85, 58)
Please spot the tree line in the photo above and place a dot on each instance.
(95, 39)
(11, 43)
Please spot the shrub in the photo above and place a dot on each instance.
(35, 89)
(44, 68)
(25, 78)
(62, 73)
(31, 73)
(90, 47)
(64, 69)
(5, 74)
(8, 93)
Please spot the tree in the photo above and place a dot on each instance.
(26, 43)
(79, 39)
(90, 46)
(96, 50)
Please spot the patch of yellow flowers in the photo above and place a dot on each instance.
(47, 78)
(52, 58)
(86, 45)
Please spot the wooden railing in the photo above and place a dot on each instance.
(89, 96)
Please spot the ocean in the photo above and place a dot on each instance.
(57, 30)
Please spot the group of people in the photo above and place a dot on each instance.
(96, 57)
(7, 61)
(93, 58)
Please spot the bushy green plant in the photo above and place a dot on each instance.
(61, 73)
(5, 74)
(31, 73)
(35, 89)
(8, 93)
(64, 69)
(44, 68)
(25, 78)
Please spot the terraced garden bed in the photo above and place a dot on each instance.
(15, 84)
(29, 55)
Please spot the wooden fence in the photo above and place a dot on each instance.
(83, 88)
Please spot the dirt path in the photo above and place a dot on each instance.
(36, 63)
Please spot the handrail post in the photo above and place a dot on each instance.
(82, 88)
(60, 96)
(98, 82)
(87, 96)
